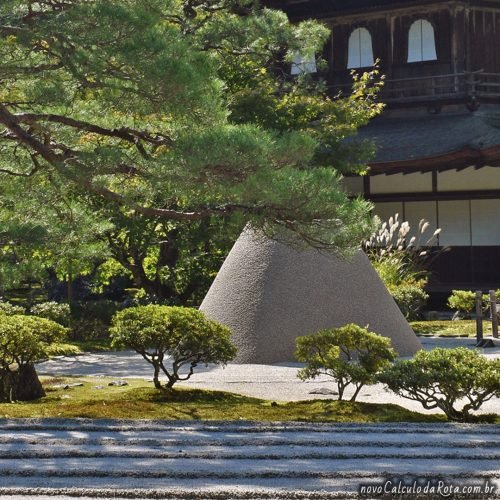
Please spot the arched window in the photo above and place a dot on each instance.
(303, 64)
(421, 42)
(360, 51)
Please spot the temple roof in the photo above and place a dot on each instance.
(300, 9)
(440, 141)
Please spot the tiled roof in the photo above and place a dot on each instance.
(401, 139)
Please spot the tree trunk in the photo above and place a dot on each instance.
(170, 383)
(356, 392)
(340, 388)
(156, 377)
(20, 384)
(454, 414)
(6, 386)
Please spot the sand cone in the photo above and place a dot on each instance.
(269, 293)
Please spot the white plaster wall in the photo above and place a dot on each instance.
(399, 183)
(386, 210)
(485, 215)
(469, 179)
(454, 220)
(415, 211)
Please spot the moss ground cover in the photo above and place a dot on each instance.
(140, 400)
(460, 328)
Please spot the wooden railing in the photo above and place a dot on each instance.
(458, 86)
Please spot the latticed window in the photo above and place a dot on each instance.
(421, 42)
(360, 51)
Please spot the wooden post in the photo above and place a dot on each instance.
(479, 316)
(494, 314)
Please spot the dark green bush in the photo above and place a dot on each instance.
(91, 320)
(89, 329)
(349, 354)
(457, 381)
(24, 340)
(103, 310)
(181, 336)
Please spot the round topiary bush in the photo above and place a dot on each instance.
(457, 381)
(181, 336)
(23, 342)
(349, 354)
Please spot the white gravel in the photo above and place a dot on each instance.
(273, 382)
(191, 460)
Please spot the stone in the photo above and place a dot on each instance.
(118, 383)
(269, 293)
(324, 392)
(67, 386)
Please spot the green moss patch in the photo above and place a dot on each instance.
(460, 328)
(140, 400)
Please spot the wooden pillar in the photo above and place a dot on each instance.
(479, 316)
(494, 313)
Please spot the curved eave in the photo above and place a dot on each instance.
(456, 160)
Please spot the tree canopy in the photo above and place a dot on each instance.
(178, 111)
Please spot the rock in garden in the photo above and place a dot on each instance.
(67, 386)
(324, 391)
(118, 383)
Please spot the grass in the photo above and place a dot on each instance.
(140, 400)
(460, 328)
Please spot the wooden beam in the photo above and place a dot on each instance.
(484, 194)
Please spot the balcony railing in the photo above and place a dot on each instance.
(453, 87)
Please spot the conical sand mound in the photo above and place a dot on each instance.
(269, 294)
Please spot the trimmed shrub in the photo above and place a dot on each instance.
(349, 354)
(457, 381)
(60, 313)
(10, 309)
(463, 302)
(183, 336)
(410, 298)
(24, 341)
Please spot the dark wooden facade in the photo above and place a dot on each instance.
(439, 138)
(463, 70)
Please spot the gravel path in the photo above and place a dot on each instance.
(272, 382)
(140, 459)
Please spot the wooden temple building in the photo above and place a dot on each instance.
(439, 137)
